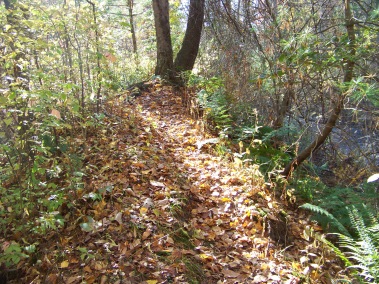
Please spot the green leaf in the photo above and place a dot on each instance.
(31, 248)
(86, 227)
(282, 58)
(89, 225)
(75, 107)
(332, 219)
(13, 248)
(8, 121)
(125, 24)
(7, 27)
(3, 100)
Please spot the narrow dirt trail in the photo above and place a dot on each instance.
(237, 231)
(159, 206)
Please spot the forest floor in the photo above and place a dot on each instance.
(160, 206)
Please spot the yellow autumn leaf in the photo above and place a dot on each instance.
(143, 210)
(205, 186)
(152, 281)
(205, 256)
(296, 266)
(226, 199)
(241, 145)
(64, 264)
(99, 266)
(233, 224)
(264, 266)
(100, 206)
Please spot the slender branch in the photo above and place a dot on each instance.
(348, 67)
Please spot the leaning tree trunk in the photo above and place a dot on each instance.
(165, 65)
(348, 65)
(186, 57)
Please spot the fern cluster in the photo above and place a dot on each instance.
(216, 106)
(332, 221)
(363, 250)
(360, 247)
(336, 200)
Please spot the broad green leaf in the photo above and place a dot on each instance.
(3, 100)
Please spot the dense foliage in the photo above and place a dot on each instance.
(269, 78)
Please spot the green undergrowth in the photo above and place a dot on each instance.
(349, 216)
(348, 212)
(241, 136)
(335, 200)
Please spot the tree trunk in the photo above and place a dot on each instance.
(131, 22)
(165, 65)
(8, 4)
(21, 80)
(307, 152)
(348, 65)
(98, 65)
(186, 57)
(284, 105)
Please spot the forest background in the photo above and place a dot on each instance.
(290, 86)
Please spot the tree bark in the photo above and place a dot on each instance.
(21, 80)
(165, 65)
(285, 104)
(186, 57)
(348, 66)
(307, 152)
(98, 65)
(131, 22)
(9, 4)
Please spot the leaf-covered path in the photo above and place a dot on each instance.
(159, 206)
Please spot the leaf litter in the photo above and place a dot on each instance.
(159, 206)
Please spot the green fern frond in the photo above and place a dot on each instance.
(363, 231)
(374, 231)
(335, 249)
(318, 210)
(364, 250)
